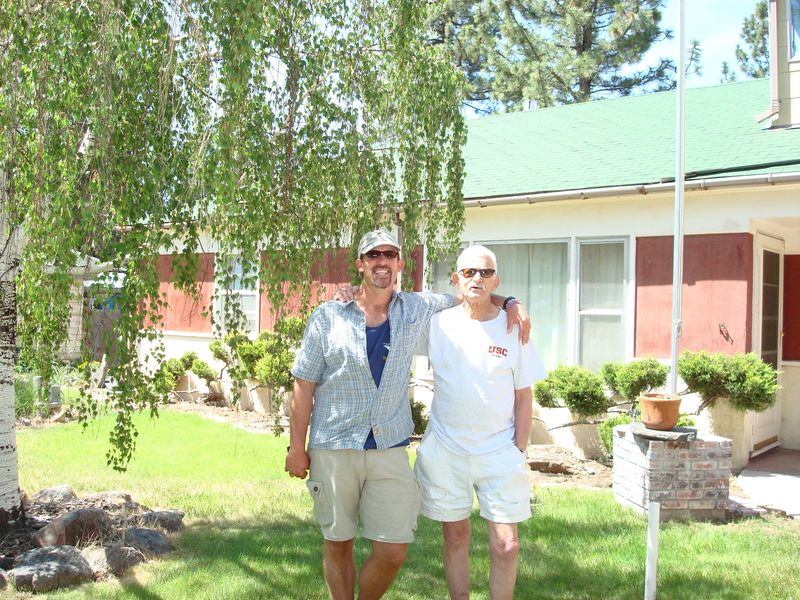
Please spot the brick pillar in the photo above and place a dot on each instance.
(688, 477)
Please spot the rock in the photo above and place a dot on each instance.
(112, 559)
(149, 541)
(55, 495)
(168, 520)
(45, 569)
(3, 579)
(61, 416)
(74, 528)
(114, 499)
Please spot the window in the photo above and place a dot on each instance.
(794, 29)
(236, 307)
(590, 331)
(601, 303)
(538, 274)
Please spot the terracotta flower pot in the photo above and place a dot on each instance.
(660, 411)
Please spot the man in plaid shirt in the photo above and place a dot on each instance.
(351, 386)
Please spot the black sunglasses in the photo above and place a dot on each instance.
(470, 273)
(390, 254)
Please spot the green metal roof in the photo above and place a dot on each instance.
(626, 141)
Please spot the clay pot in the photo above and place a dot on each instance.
(660, 411)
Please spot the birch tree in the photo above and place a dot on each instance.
(128, 128)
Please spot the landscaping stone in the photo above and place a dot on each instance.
(168, 520)
(55, 495)
(149, 541)
(112, 559)
(77, 527)
(45, 569)
(676, 434)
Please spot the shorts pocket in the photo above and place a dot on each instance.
(323, 503)
(416, 505)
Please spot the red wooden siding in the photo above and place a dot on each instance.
(791, 307)
(717, 294)
(325, 282)
(184, 313)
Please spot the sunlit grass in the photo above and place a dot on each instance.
(250, 534)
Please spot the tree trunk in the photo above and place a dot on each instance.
(10, 499)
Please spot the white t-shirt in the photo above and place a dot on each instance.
(477, 366)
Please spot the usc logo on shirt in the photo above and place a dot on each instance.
(498, 351)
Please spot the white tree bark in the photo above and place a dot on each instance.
(10, 501)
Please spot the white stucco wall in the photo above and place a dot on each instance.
(790, 406)
(711, 211)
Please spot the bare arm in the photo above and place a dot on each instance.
(297, 460)
(523, 413)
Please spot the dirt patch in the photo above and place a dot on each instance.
(247, 420)
(556, 466)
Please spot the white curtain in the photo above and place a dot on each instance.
(538, 274)
(601, 303)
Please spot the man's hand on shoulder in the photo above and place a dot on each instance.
(346, 293)
(517, 315)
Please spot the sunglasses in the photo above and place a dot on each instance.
(390, 254)
(470, 273)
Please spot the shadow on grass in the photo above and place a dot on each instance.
(564, 555)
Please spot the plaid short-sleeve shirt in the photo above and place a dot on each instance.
(333, 355)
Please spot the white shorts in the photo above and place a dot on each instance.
(447, 480)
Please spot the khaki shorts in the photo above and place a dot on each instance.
(375, 487)
(447, 480)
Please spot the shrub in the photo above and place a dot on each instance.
(203, 370)
(605, 430)
(639, 376)
(573, 387)
(609, 372)
(746, 381)
(24, 395)
(187, 360)
(174, 367)
(418, 416)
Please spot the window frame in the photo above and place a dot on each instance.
(222, 296)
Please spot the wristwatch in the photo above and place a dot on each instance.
(509, 302)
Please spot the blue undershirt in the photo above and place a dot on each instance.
(378, 343)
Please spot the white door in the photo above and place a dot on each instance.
(767, 324)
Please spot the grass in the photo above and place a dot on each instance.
(249, 531)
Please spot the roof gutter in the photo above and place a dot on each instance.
(637, 189)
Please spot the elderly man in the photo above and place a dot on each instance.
(351, 383)
(479, 426)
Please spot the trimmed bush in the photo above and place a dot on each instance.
(572, 387)
(203, 370)
(746, 381)
(605, 430)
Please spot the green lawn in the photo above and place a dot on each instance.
(249, 533)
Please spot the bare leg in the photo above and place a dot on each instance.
(456, 558)
(503, 548)
(380, 569)
(339, 568)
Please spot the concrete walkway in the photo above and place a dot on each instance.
(772, 480)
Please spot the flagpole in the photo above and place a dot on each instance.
(677, 254)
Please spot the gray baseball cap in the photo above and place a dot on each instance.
(373, 239)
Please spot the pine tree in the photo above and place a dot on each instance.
(754, 60)
(551, 52)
